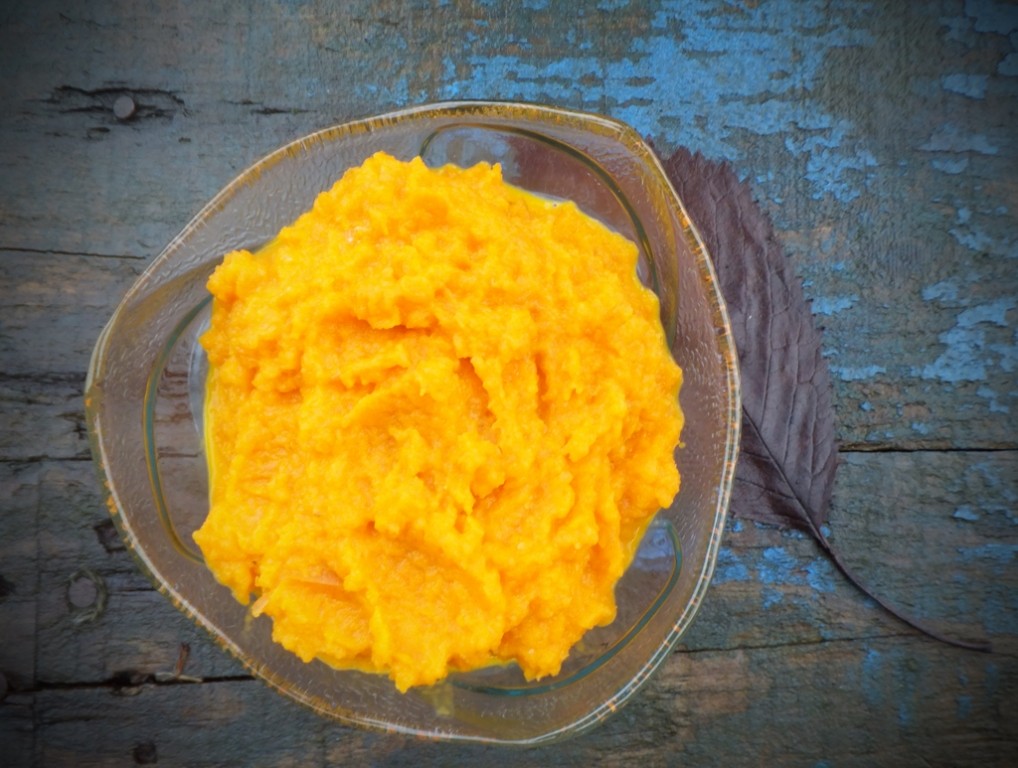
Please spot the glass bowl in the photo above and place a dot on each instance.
(144, 403)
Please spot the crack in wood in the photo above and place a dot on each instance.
(132, 680)
(149, 103)
(72, 378)
(863, 448)
(278, 111)
(109, 538)
(265, 109)
(17, 461)
(808, 642)
(55, 252)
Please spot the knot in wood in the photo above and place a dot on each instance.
(86, 595)
(123, 107)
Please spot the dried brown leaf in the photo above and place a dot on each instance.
(788, 459)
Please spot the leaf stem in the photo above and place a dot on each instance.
(981, 645)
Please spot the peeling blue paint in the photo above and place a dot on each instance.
(771, 597)
(991, 16)
(820, 575)
(1008, 355)
(794, 533)
(959, 30)
(945, 290)
(949, 138)
(994, 551)
(969, 232)
(857, 372)
(729, 568)
(965, 512)
(976, 239)
(866, 405)
(918, 426)
(829, 169)
(872, 677)
(689, 58)
(966, 355)
(994, 404)
(396, 93)
(984, 509)
(832, 305)
(973, 86)
(777, 566)
(952, 165)
(994, 312)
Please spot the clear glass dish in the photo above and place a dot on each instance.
(146, 380)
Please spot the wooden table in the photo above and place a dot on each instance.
(880, 138)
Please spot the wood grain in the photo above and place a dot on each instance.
(878, 138)
(779, 625)
(753, 706)
(907, 294)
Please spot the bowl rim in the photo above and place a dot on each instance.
(532, 111)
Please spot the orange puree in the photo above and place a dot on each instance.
(440, 414)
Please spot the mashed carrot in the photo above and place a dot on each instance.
(439, 416)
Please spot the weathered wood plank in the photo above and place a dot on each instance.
(53, 308)
(956, 533)
(933, 532)
(888, 702)
(135, 635)
(949, 562)
(43, 417)
(99, 616)
(19, 574)
(17, 729)
(213, 724)
(899, 213)
(879, 137)
(951, 557)
(772, 588)
(919, 301)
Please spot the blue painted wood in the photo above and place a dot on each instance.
(880, 138)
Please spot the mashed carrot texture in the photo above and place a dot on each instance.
(440, 414)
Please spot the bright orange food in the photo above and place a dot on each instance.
(440, 414)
